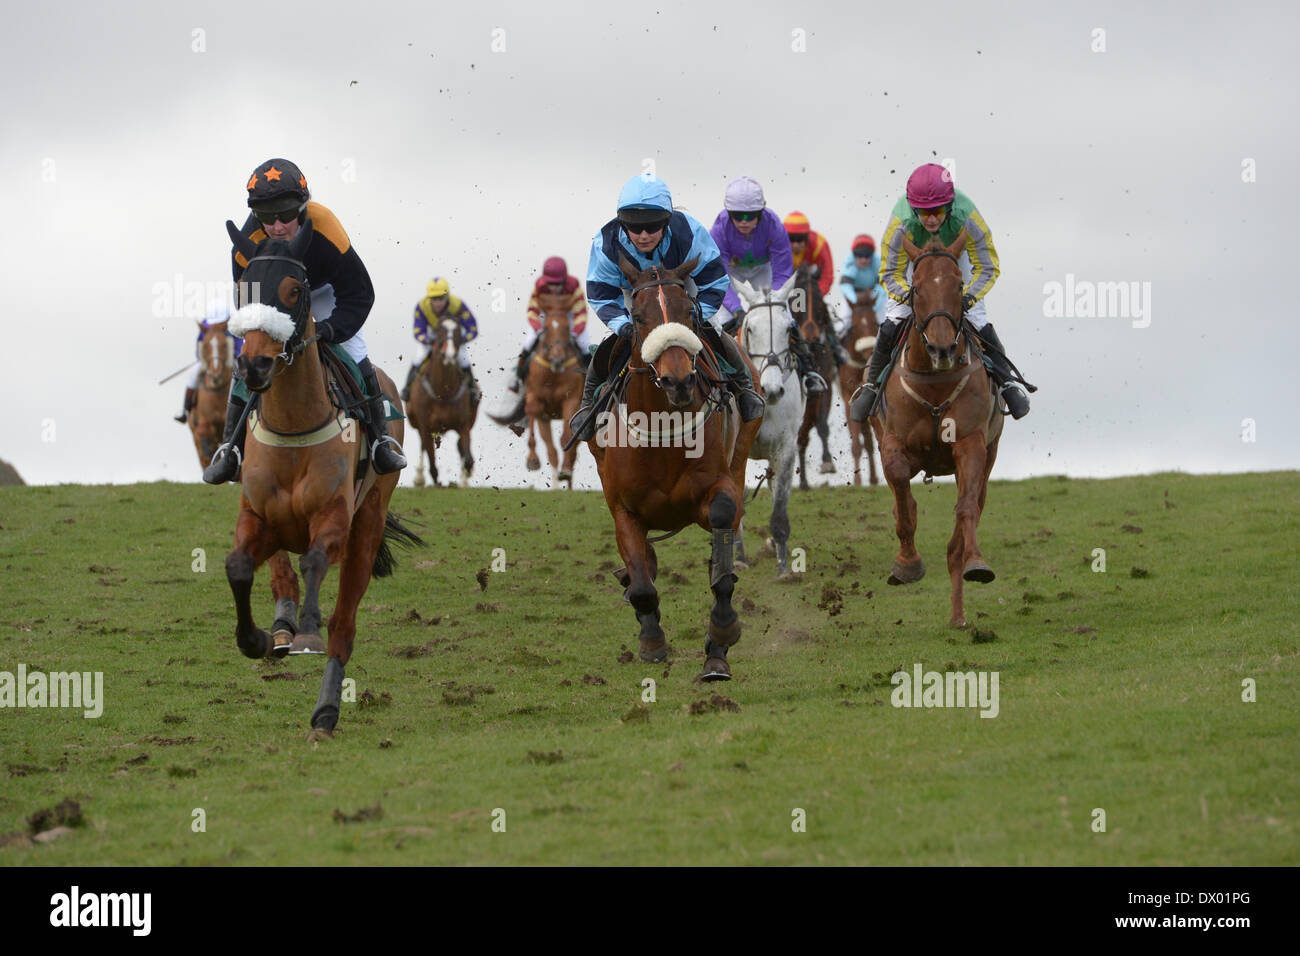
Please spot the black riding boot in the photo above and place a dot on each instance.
(229, 457)
(748, 401)
(385, 452)
(838, 352)
(1017, 401)
(475, 394)
(521, 370)
(812, 380)
(583, 422)
(863, 402)
(191, 399)
(410, 380)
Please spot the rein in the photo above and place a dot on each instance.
(781, 360)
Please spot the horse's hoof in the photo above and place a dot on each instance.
(534, 464)
(256, 646)
(906, 573)
(281, 641)
(325, 718)
(565, 476)
(769, 547)
(740, 564)
(319, 733)
(786, 577)
(978, 571)
(715, 668)
(307, 644)
(653, 650)
(958, 623)
(828, 468)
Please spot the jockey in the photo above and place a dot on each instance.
(555, 280)
(649, 232)
(438, 303)
(218, 311)
(754, 248)
(341, 295)
(932, 206)
(860, 275)
(811, 248)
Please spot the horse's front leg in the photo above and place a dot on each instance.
(253, 545)
(466, 456)
(724, 513)
(552, 455)
(970, 455)
(533, 463)
(284, 588)
(328, 537)
(908, 566)
(639, 570)
(824, 432)
(782, 480)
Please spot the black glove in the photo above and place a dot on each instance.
(626, 331)
(733, 323)
(967, 302)
(324, 332)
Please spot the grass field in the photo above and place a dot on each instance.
(1119, 690)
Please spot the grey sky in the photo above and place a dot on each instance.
(125, 150)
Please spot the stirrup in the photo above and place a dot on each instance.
(814, 382)
(217, 466)
(374, 455)
(863, 394)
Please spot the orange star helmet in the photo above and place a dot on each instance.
(277, 186)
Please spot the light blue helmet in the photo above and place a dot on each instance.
(646, 192)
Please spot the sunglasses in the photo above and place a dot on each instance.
(639, 228)
(940, 211)
(744, 216)
(287, 215)
(864, 253)
(802, 238)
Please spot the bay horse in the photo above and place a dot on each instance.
(302, 490)
(859, 340)
(207, 419)
(554, 388)
(673, 454)
(940, 413)
(765, 339)
(443, 402)
(812, 317)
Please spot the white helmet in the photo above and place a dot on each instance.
(744, 195)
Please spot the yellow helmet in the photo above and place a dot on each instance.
(437, 287)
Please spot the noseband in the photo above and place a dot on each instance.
(295, 345)
(781, 360)
(959, 323)
(656, 283)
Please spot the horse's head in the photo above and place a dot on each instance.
(936, 293)
(662, 316)
(765, 334)
(274, 303)
(555, 340)
(217, 351)
(806, 304)
(448, 337)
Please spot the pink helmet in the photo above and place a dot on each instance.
(929, 186)
(555, 270)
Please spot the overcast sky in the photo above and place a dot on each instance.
(1160, 150)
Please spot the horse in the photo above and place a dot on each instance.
(302, 486)
(443, 402)
(812, 317)
(940, 413)
(554, 388)
(671, 395)
(207, 418)
(764, 337)
(859, 340)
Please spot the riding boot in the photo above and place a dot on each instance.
(410, 380)
(521, 370)
(229, 457)
(583, 422)
(1017, 401)
(840, 353)
(191, 399)
(812, 380)
(385, 452)
(748, 401)
(475, 394)
(863, 403)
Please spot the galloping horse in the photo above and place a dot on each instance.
(765, 339)
(208, 416)
(443, 402)
(941, 414)
(302, 490)
(673, 455)
(554, 388)
(859, 341)
(812, 317)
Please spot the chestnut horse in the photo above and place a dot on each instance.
(859, 341)
(301, 490)
(687, 467)
(443, 402)
(554, 388)
(208, 416)
(811, 315)
(940, 413)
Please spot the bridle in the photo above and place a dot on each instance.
(569, 347)
(782, 361)
(958, 324)
(658, 282)
(295, 345)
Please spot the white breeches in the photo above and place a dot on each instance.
(977, 316)
(322, 307)
(531, 335)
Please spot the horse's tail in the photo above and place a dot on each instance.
(395, 533)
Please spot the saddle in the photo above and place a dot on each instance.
(346, 389)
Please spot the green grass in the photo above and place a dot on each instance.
(1117, 692)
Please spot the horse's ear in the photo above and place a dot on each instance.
(627, 266)
(783, 293)
(686, 268)
(958, 244)
(243, 245)
(910, 247)
(745, 291)
(301, 239)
